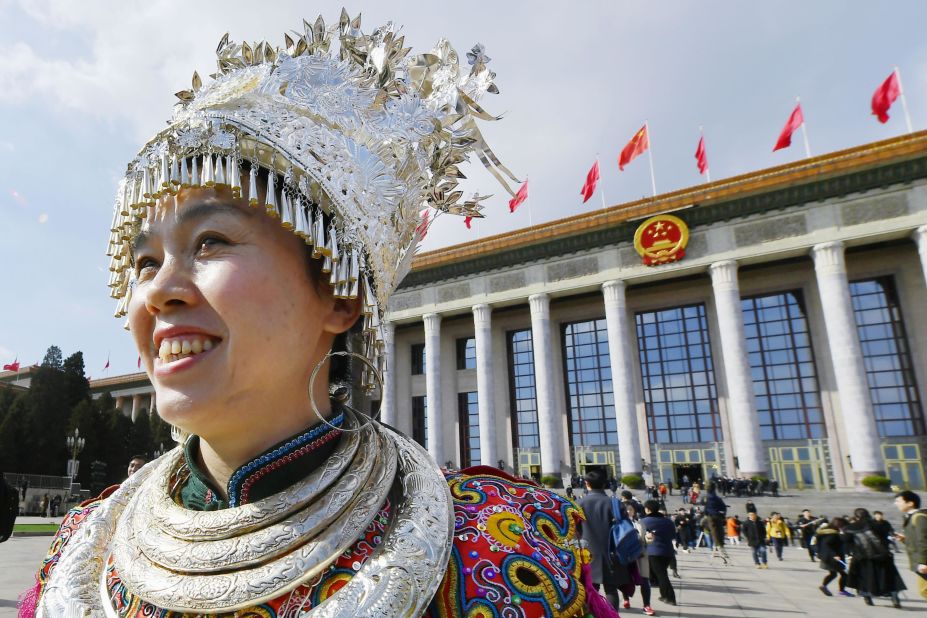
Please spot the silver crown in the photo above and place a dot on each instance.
(367, 136)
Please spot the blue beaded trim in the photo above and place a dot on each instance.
(283, 450)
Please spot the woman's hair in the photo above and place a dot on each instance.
(837, 523)
(862, 515)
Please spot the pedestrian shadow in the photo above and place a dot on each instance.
(8, 603)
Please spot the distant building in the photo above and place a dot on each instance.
(790, 340)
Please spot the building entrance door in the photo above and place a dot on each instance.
(904, 465)
(691, 471)
(586, 459)
(529, 464)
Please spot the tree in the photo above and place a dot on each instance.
(52, 358)
(160, 432)
(14, 442)
(87, 419)
(76, 387)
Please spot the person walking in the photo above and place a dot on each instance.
(733, 530)
(883, 529)
(914, 535)
(683, 530)
(807, 525)
(832, 552)
(872, 570)
(643, 564)
(779, 534)
(659, 534)
(755, 533)
(607, 575)
(716, 513)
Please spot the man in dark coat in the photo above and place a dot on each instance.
(660, 535)
(754, 530)
(9, 508)
(595, 531)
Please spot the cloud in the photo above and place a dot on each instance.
(43, 218)
(7, 146)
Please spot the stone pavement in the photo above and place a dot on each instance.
(707, 589)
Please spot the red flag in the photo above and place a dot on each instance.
(467, 222)
(14, 366)
(106, 366)
(422, 228)
(638, 145)
(795, 120)
(592, 179)
(139, 363)
(520, 197)
(885, 95)
(701, 157)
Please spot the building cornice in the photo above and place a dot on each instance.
(879, 164)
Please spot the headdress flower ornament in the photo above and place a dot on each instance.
(355, 144)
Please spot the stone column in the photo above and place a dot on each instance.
(847, 358)
(550, 427)
(136, 400)
(745, 423)
(616, 318)
(433, 386)
(388, 395)
(485, 383)
(920, 237)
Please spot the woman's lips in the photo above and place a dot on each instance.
(171, 364)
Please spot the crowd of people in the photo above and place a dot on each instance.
(855, 550)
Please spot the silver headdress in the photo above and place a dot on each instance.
(356, 143)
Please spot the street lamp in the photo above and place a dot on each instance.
(75, 445)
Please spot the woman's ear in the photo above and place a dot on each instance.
(343, 315)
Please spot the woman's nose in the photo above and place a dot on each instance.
(172, 286)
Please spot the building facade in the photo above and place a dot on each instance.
(790, 341)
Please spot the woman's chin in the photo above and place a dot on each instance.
(188, 409)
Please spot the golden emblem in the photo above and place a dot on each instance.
(661, 239)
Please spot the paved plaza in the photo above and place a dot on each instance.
(707, 589)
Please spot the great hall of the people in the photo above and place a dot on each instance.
(786, 338)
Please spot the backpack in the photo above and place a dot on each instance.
(624, 542)
(870, 547)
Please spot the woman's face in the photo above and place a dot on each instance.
(226, 317)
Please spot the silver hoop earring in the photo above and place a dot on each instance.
(376, 376)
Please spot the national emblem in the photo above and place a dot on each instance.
(661, 239)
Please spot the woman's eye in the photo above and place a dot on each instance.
(144, 263)
(209, 242)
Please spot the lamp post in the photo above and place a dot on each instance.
(75, 445)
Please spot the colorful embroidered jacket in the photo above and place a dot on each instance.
(512, 555)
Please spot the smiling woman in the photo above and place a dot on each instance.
(277, 213)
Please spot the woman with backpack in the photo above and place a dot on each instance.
(872, 569)
(643, 564)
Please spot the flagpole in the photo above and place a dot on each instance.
(601, 191)
(653, 182)
(707, 168)
(904, 101)
(804, 131)
(528, 199)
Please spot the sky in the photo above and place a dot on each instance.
(84, 84)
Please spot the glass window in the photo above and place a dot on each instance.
(468, 415)
(589, 384)
(522, 394)
(420, 420)
(418, 359)
(466, 353)
(676, 365)
(887, 358)
(785, 384)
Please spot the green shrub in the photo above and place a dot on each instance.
(633, 481)
(877, 483)
(549, 480)
(759, 479)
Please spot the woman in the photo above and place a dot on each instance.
(643, 564)
(832, 553)
(872, 569)
(778, 532)
(255, 243)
